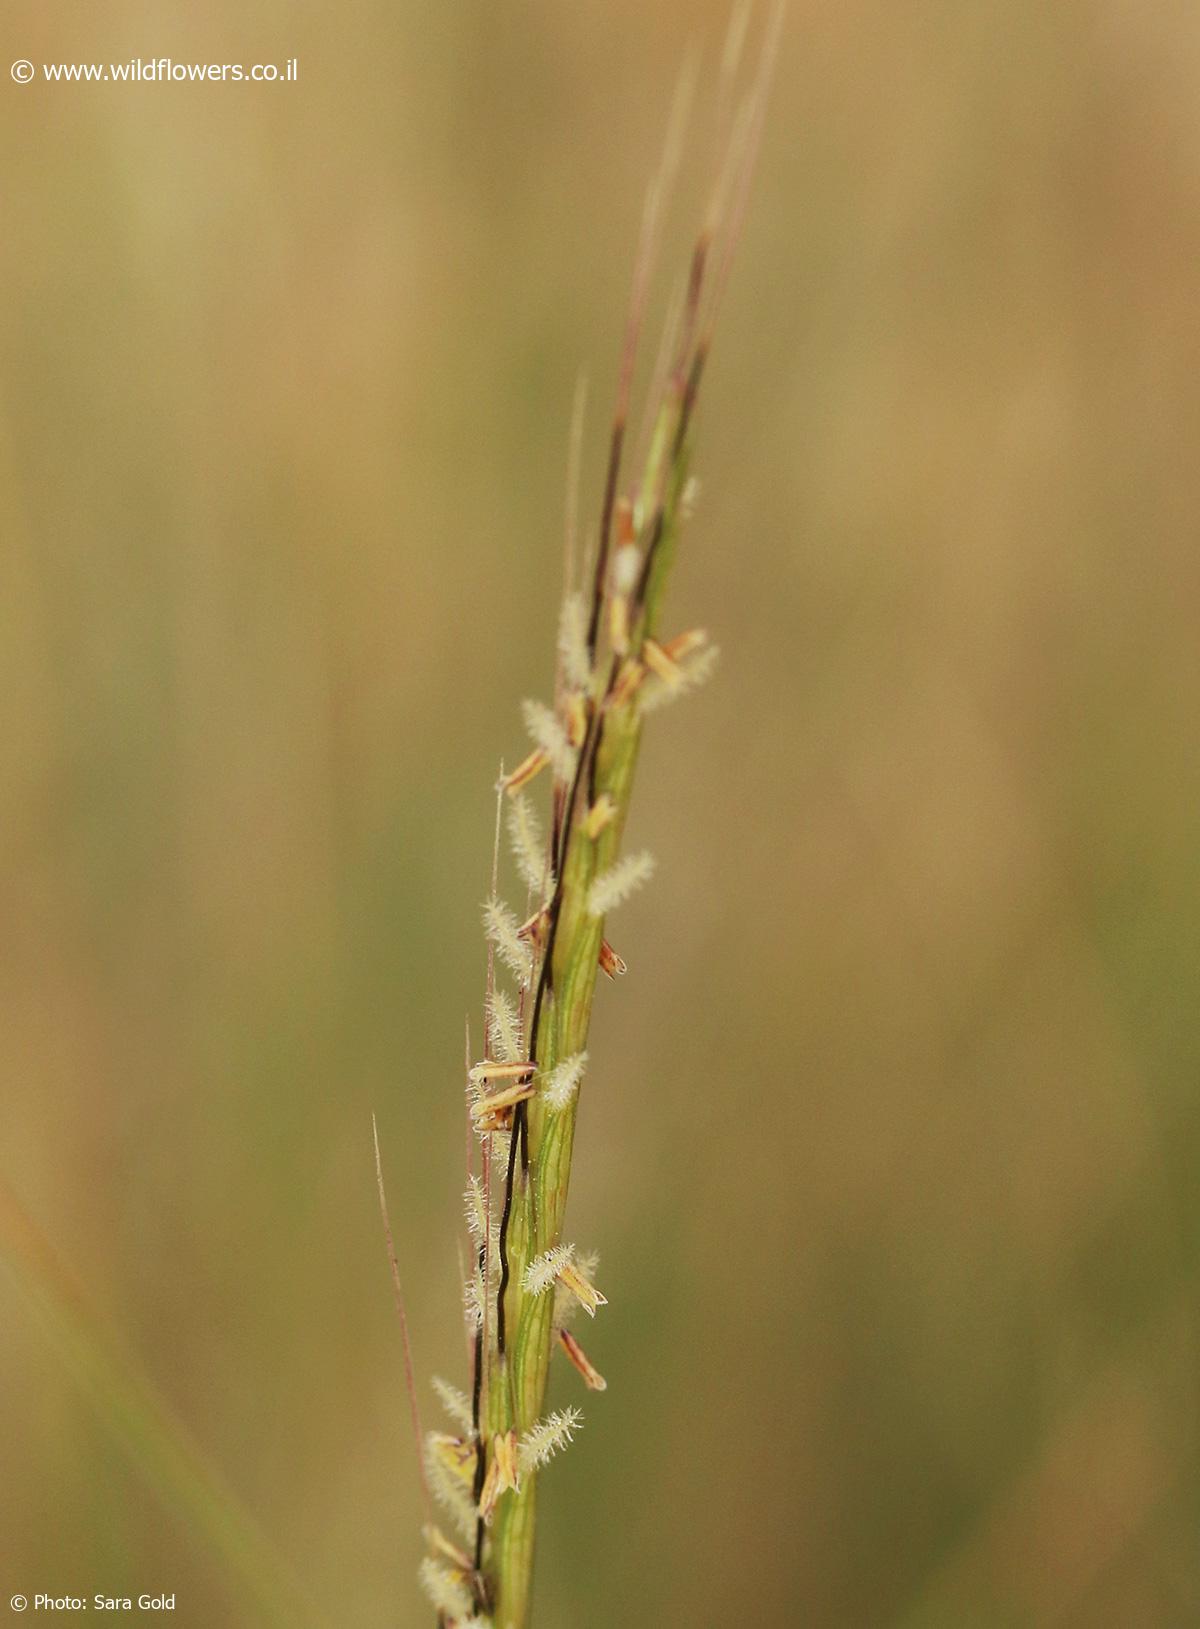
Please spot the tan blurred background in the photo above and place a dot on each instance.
(890, 1142)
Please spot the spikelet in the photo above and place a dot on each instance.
(446, 1587)
(449, 1488)
(577, 718)
(504, 1028)
(542, 1271)
(572, 642)
(503, 1473)
(454, 1402)
(689, 676)
(547, 733)
(629, 678)
(529, 847)
(600, 815)
(455, 1454)
(561, 1084)
(618, 882)
(548, 1437)
(502, 930)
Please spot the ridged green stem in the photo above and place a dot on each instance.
(517, 1383)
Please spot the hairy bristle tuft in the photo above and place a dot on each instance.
(548, 1437)
(546, 731)
(475, 1210)
(572, 642)
(473, 1301)
(454, 1402)
(529, 847)
(505, 1042)
(543, 1270)
(446, 1588)
(615, 885)
(561, 1084)
(502, 930)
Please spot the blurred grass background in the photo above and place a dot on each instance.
(890, 1144)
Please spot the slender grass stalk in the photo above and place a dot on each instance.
(615, 665)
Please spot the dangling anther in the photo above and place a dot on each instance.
(685, 643)
(441, 1545)
(525, 771)
(490, 1069)
(660, 664)
(592, 1378)
(610, 962)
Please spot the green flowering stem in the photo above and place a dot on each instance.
(539, 1197)
(612, 670)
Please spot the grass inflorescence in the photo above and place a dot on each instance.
(614, 664)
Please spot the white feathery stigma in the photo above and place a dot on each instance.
(473, 1300)
(561, 1084)
(529, 846)
(547, 1438)
(616, 884)
(446, 1588)
(546, 731)
(475, 1210)
(455, 1403)
(627, 566)
(479, 1224)
(504, 1029)
(501, 928)
(572, 642)
(543, 1270)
